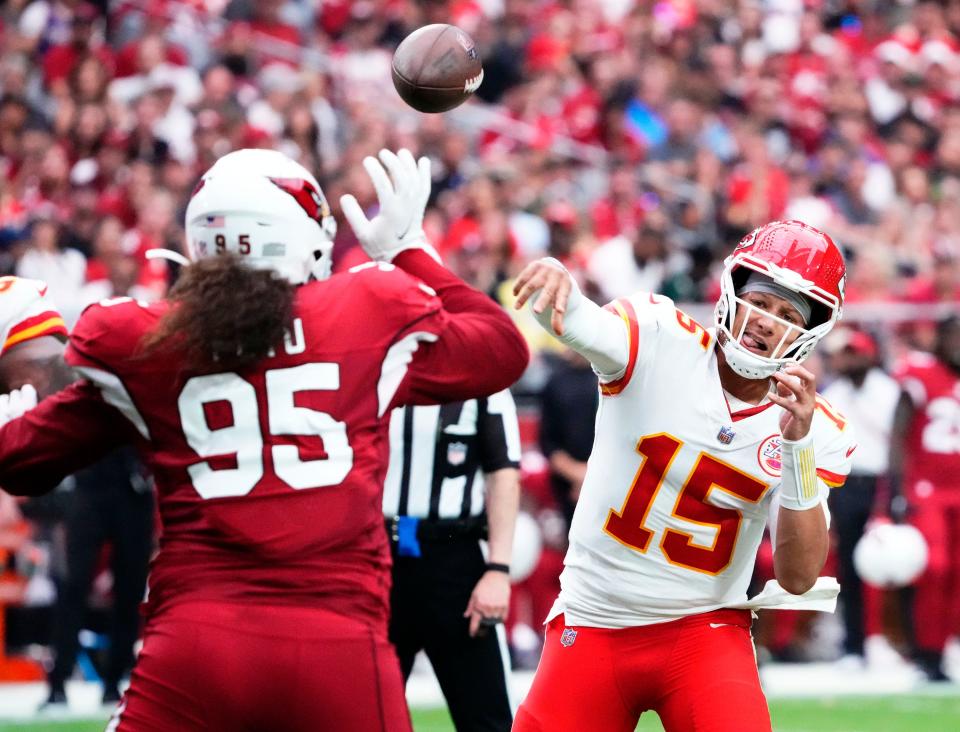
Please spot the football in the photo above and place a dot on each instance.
(436, 68)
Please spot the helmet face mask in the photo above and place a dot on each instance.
(795, 256)
(265, 208)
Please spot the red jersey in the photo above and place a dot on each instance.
(269, 480)
(933, 437)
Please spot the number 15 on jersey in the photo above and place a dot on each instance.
(627, 525)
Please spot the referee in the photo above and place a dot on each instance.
(453, 480)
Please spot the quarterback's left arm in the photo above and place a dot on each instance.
(801, 538)
(500, 460)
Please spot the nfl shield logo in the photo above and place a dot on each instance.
(456, 453)
(725, 435)
(567, 638)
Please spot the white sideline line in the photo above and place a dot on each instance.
(781, 681)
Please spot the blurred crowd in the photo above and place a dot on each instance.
(636, 141)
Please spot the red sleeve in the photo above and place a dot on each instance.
(91, 335)
(106, 335)
(478, 351)
(66, 431)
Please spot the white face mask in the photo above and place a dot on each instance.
(757, 282)
(784, 351)
(748, 310)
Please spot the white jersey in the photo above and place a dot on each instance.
(26, 312)
(678, 488)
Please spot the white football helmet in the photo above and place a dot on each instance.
(890, 555)
(795, 256)
(266, 208)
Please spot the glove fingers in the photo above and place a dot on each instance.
(381, 183)
(411, 178)
(409, 164)
(28, 398)
(395, 166)
(355, 216)
(425, 181)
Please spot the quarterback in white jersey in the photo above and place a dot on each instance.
(702, 435)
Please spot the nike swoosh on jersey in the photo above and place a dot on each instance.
(850, 451)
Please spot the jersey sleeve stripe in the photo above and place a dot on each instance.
(46, 323)
(834, 480)
(116, 395)
(395, 365)
(624, 309)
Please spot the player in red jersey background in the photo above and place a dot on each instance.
(925, 470)
(259, 400)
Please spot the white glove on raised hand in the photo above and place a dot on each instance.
(17, 402)
(403, 198)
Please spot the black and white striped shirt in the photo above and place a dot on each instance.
(439, 454)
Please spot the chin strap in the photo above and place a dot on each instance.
(169, 255)
(743, 363)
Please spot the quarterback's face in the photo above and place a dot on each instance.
(772, 324)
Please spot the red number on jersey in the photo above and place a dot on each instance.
(708, 474)
(692, 326)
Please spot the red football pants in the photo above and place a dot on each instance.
(254, 668)
(936, 609)
(699, 674)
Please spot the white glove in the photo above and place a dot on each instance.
(403, 198)
(17, 402)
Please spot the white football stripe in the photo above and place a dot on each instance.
(115, 394)
(395, 366)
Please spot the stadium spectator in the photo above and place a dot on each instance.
(847, 114)
(642, 260)
(45, 259)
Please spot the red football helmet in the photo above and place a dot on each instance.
(796, 256)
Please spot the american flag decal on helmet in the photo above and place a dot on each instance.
(567, 637)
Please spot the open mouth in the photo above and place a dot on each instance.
(754, 343)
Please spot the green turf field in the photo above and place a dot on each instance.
(895, 713)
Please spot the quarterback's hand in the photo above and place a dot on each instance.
(556, 285)
(490, 600)
(17, 402)
(797, 393)
(403, 198)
